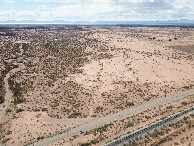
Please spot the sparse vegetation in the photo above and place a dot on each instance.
(91, 71)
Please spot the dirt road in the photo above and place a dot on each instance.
(110, 118)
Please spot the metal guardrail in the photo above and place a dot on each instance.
(148, 128)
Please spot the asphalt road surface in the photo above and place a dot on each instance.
(151, 127)
(110, 118)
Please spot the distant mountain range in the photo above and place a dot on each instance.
(173, 22)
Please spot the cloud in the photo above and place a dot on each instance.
(58, 1)
(9, 1)
(42, 7)
(112, 10)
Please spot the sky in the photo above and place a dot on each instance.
(96, 10)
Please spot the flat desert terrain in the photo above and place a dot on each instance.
(67, 76)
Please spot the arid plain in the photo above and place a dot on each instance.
(72, 75)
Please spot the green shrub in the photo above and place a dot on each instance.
(130, 124)
(74, 115)
(94, 141)
(19, 110)
(8, 110)
(5, 140)
(130, 104)
(184, 103)
(99, 108)
(85, 144)
(40, 137)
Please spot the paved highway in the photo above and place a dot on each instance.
(149, 128)
(110, 118)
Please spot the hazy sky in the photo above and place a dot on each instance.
(96, 10)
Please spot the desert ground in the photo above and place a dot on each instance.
(72, 75)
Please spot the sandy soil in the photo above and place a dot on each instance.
(94, 72)
(121, 127)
